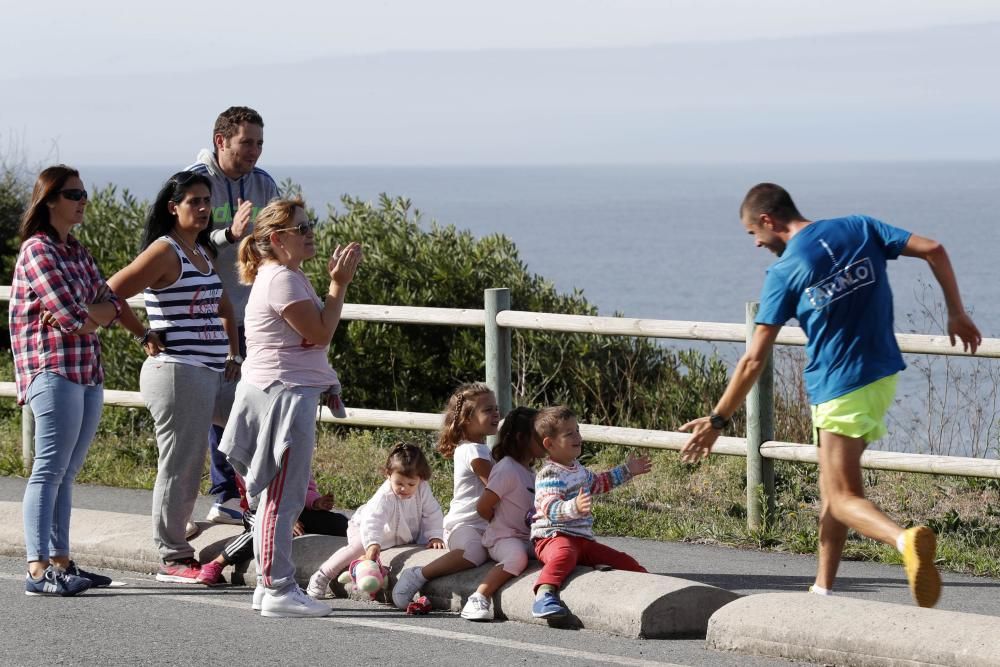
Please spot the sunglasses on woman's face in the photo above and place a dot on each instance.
(73, 194)
(302, 228)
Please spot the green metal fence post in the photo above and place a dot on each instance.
(498, 347)
(760, 429)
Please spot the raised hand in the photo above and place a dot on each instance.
(583, 502)
(241, 218)
(639, 465)
(344, 262)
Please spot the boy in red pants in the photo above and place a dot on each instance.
(562, 528)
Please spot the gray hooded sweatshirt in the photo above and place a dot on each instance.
(257, 187)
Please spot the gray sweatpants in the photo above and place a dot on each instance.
(281, 423)
(184, 401)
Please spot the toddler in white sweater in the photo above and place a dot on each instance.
(402, 511)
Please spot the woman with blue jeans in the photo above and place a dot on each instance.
(58, 301)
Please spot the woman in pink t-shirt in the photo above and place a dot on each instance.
(507, 503)
(271, 433)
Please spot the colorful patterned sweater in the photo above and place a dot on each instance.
(556, 489)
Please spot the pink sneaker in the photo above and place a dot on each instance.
(211, 574)
(179, 571)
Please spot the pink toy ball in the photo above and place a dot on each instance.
(368, 576)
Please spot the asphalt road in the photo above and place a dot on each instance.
(148, 623)
(145, 622)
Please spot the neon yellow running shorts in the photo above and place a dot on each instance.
(859, 414)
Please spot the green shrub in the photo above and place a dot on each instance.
(611, 380)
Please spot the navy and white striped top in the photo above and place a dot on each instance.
(186, 314)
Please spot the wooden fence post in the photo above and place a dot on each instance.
(760, 429)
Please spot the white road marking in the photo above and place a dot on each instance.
(602, 658)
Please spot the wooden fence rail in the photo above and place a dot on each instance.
(498, 321)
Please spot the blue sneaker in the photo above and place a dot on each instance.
(96, 580)
(549, 606)
(54, 582)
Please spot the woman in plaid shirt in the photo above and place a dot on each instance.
(58, 301)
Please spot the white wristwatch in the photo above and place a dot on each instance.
(235, 358)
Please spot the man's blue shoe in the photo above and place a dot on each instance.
(96, 580)
(54, 582)
(549, 606)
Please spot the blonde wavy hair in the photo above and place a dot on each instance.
(254, 249)
(457, 413)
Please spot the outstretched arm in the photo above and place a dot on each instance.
(959, 322)
(749, 368)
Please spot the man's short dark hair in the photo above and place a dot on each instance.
(771, 199)
(228, 122)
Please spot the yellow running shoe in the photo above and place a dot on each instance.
(919, 548)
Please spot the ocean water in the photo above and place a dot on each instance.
(665, 242)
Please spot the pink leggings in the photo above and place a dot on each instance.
(343, 556)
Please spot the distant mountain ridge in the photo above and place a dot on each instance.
(919, 94)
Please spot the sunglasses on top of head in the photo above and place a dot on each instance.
(73, 194)
(302, 228)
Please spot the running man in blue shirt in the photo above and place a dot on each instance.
(831, 276)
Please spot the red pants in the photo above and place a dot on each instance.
(560, 554)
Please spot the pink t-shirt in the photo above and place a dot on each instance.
(515, 485)
(275, 351)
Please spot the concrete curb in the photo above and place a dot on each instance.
(112, 539)
(630, 604)
(848, 631)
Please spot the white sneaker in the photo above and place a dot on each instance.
(258, 596)
(228, 512)
(293, 603)
(477, 608)
(191, 530)
(407, 584)
(319, 586)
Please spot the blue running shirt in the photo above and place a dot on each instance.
(832, 278)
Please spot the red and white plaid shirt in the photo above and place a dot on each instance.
(61, 278)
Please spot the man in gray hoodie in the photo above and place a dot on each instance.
(239, 191)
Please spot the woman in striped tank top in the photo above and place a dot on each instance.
(189, 378)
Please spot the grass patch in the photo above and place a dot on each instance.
(703, 503)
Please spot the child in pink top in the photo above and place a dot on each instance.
(507, 503)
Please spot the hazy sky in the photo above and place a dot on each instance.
(87, 53)
(100, 36)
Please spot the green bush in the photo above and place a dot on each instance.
(14, 195)
(609, 380)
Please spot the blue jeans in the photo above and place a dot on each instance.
(66, 419)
